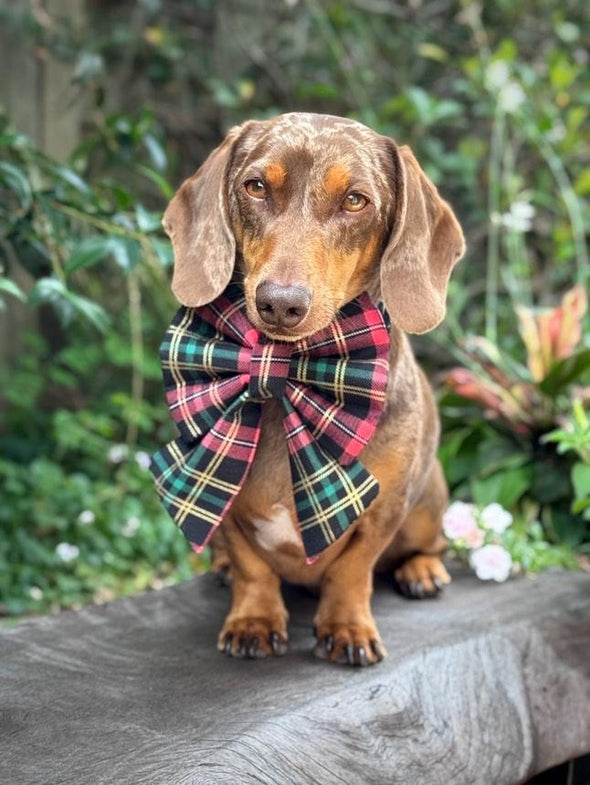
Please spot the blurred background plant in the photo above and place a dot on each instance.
(507, 456)
(127, 98)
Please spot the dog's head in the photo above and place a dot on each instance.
(314, 210)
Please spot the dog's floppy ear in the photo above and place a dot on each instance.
(197, 222)
(426, 242)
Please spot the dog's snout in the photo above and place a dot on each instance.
(282, 306)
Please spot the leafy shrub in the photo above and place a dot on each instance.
(70, 537)
(576, 437)
(509, 457)
(79, 518)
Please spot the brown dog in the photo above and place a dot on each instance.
(309, 211)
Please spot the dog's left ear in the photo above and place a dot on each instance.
(197, 221)
(425, 244)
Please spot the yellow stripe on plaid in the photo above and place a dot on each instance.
(208, 479)
(322, 515)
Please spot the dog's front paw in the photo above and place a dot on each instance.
(421, 577)
(253, 638)
(354, 643)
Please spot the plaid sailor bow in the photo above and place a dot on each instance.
(218, 370)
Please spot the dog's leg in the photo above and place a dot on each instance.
(420, 543)
(256, 625)
(220, 562)
(344, 625)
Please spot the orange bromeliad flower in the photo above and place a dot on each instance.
(504, 389)
(552, 335)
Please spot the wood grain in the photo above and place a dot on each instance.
(489, 684)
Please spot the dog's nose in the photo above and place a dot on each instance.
(282, 306)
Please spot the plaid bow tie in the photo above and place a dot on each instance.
(218, 370)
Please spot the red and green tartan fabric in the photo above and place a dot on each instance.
(218, 371)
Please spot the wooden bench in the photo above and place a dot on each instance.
(487, 685)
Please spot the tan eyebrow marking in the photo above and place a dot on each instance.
(337, 179)
(275, 175)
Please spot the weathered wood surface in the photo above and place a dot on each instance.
(487, 685)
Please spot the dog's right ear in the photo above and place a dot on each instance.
(197, 221)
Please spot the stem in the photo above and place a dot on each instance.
(571, 201)
(494, 191)
(50, 242)
(136, 336)
(517, 276)
(341, 56)
(100, 223)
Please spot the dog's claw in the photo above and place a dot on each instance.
(421, 577)
(349, 652)
(274, 642)
(324, 647)
(358, 654)
(319, 650)
(243, 647)
(227, 644)
(418, 589)
(253, 649)
(377, 650)
(279, 647)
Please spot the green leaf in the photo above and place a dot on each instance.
(89, 66)
(15, 140)
(568, 528)
(146, 220)
(433, 52)
(16, 180)
(9, 287)
(504, 487)
(91, 311)
(582, 183)
(70, 177)
(90, 251)
(158, 180)
(126, 252)
(565, 372)
(67, 303)
(156, 152)
(46, 290)
(551, 481)
(581, 480)
(163, 251)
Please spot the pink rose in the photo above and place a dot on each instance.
(491, 563)
(459, 521)
(496, 518)
(474, 538)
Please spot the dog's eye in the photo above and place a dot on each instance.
(255, 188)
(354, 203)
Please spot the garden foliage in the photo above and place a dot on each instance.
(492, 98)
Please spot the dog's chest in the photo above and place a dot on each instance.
(276, 531)
(264, 507)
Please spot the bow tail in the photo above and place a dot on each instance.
(198, 483)
(329, 497)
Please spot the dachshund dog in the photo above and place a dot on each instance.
(308, 211)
